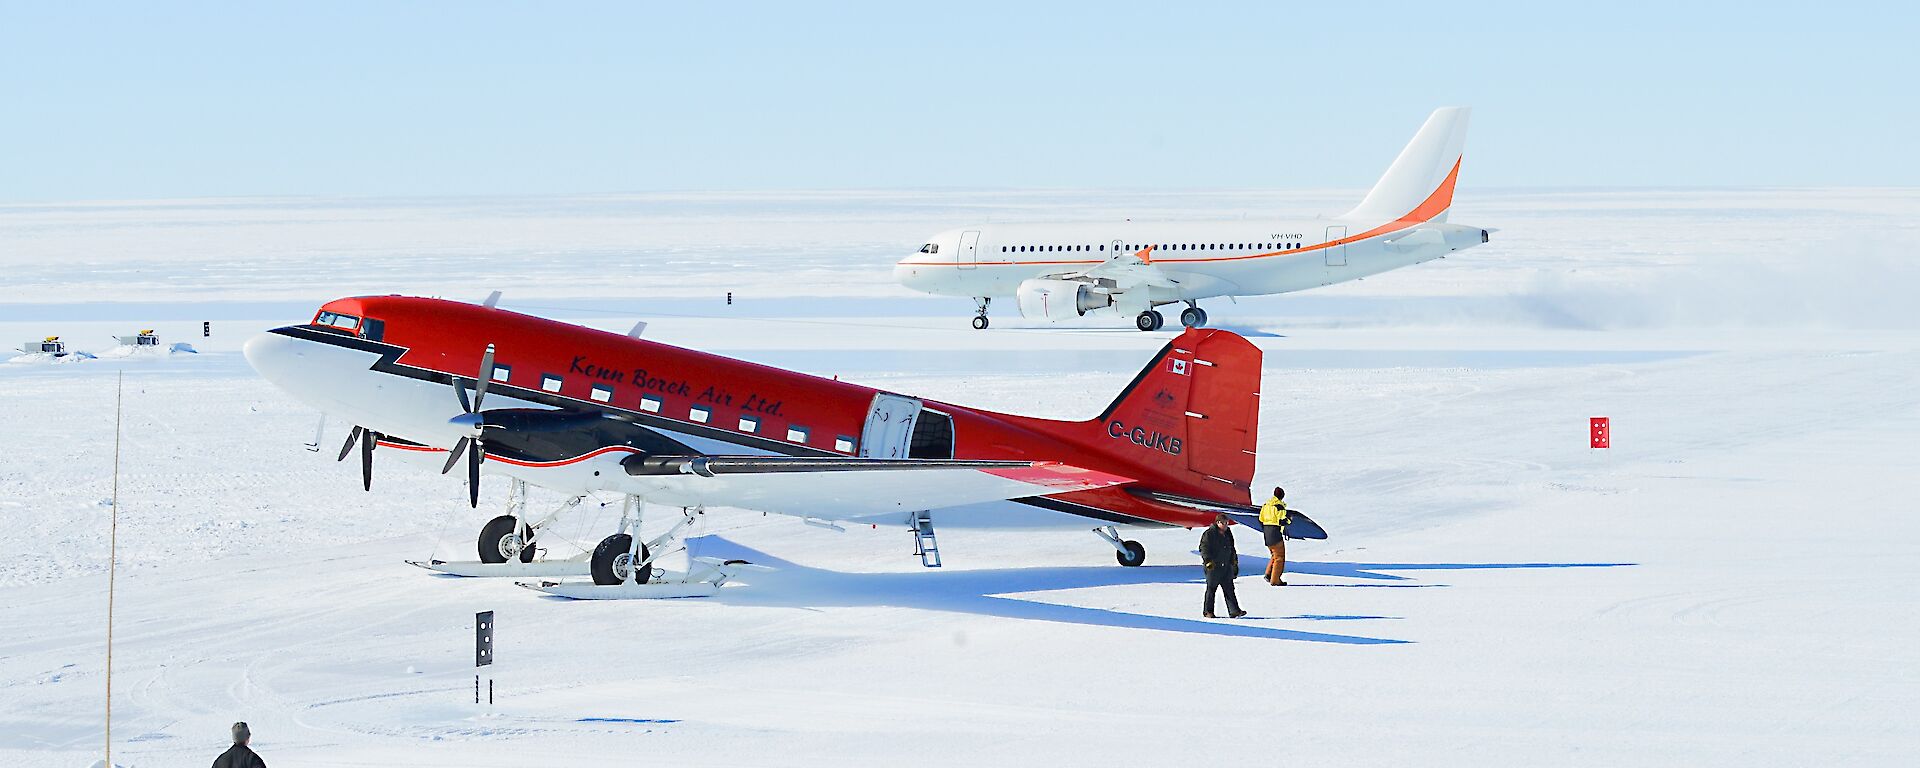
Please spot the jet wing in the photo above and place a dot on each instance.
(838, 488)
(1126, 272)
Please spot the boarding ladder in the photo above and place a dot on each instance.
(924, 544)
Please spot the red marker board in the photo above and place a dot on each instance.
(1601, 429)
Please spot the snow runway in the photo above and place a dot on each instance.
(1732, 585)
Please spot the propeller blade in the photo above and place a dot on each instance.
(461, 392)
(486, 375)
(454, 456)
(474, 457)
(366, 459)
(351, 437)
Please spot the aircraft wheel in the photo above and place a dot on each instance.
(980, 323)
(501, 540)
(1193, 317)
(613, 560)
(1134, 556)
(1149, 321)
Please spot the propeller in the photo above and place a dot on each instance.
(474, 445)
(366, 452)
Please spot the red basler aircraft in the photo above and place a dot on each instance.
(589, 411)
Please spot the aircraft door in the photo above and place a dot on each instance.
(1336, 254)
(888, 433)
(968, 256)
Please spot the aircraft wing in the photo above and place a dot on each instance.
(838, 488)
(1127, 272)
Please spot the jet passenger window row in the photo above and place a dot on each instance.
(1051, 248)
(1156, 247)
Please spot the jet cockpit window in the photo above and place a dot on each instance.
(337, 320)
(930, 248)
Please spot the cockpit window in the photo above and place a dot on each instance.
(337, 320)
(930, 248)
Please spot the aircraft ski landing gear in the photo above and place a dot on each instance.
(1149, 320)
(622, 567)
(1193, 316)
(614, 559)
(980, 312)
(504, 539)
(1128, 552)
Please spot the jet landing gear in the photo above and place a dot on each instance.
(1193, 316)
(1128, 552)
(1149, 320)
(980, 312)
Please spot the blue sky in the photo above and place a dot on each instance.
(145, 100)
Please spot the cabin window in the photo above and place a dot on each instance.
(601, 393)
(749, 424)
(501, 372)
(843, 444)
(337, 320)
(649, 403)
(699, 414)
(373, 330)
(549, 382)
(796, 434)
(932, 436)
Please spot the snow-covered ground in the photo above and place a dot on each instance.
(1732, 584)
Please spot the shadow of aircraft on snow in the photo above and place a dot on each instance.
(986, 592)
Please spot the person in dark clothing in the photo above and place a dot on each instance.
(1222, 563)
(239, 755)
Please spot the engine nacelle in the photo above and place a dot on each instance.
(1042, 299)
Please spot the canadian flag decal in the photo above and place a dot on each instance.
(1177, 365)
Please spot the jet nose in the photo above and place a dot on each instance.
(910, 273)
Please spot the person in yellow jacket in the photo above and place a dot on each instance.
(1273, 522)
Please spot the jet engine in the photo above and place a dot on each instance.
(1045, 299)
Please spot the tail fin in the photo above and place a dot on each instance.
(1197, 403)
(1421, 179)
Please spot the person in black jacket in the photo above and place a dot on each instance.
(239, 755)
(1222, 563)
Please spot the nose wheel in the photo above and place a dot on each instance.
(980, 313)
(1149, 320)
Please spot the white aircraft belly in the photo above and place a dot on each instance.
(848, 495)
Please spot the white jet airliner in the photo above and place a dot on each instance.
(1061, 271)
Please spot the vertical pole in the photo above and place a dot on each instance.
(476, 689)
(113, 553)
(489, 691)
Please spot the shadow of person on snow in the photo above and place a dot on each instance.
(986, 592)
